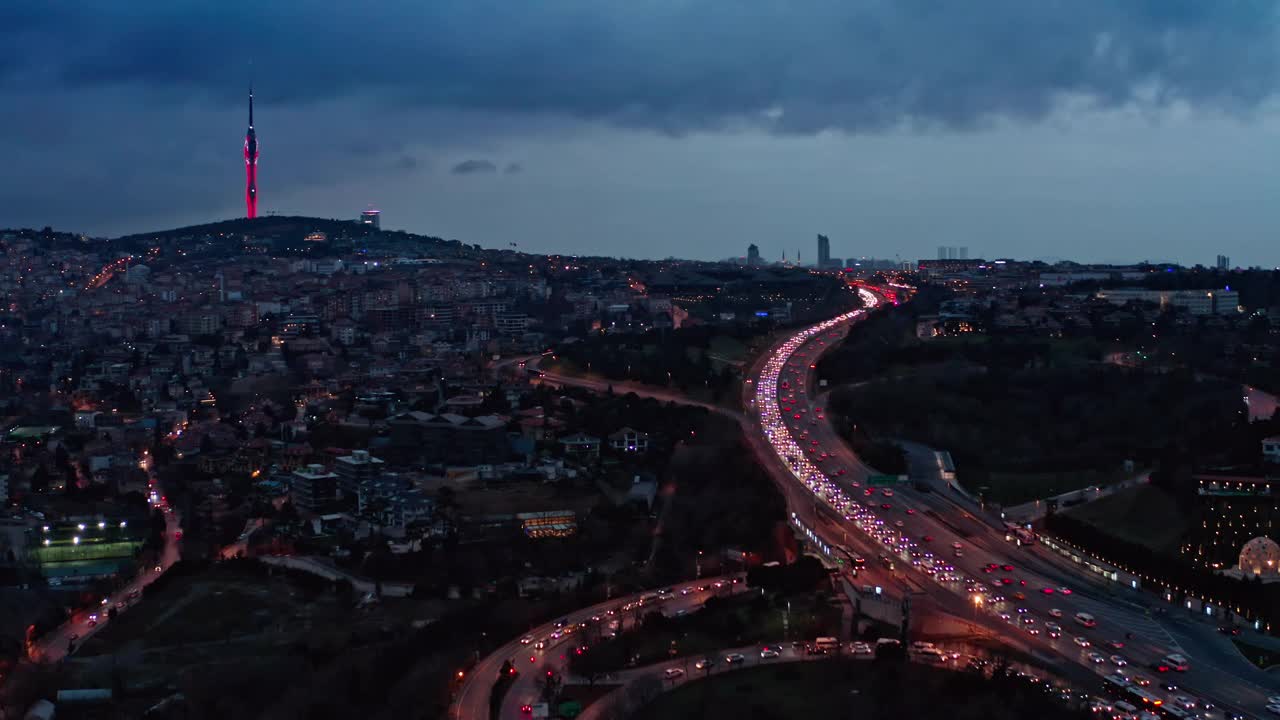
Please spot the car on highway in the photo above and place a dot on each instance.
(1118, 661)
(1055, 613)
(527, 639)
(705, 664)
(735, 658)
(768, 653)
(1053, 630)
(1176, 662)
(1097, 658)
(862, 649)
(1082, 641)
(672, 673)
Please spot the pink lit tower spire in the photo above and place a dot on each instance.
(251, 165)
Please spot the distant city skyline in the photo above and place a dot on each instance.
(1103, 134)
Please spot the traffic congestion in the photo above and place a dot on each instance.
(906, 534)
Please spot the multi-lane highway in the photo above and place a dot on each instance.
(945, 552)
(548, 646)
(952, 559)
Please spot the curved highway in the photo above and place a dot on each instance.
(958, 561)
(548, 645)
(1027, 596)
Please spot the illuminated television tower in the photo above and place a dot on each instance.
(251, 165)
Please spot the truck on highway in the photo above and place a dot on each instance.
(826, 645)
(946, 467)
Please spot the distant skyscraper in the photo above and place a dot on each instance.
(964, 252)
(1224, 262)
(942, 252)
(824, 251)
(753, 255)
(371, 217)
(251, 166)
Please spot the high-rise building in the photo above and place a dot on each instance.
(251, 165)
(313, 487)
(753, 255)
(824, 251)
(371, 217)
(1224, 262)
(355, 469)
(964, 252)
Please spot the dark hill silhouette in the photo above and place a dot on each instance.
(286, 226)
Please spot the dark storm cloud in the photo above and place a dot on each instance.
(668, 65)
(124, 116)
(474, 167)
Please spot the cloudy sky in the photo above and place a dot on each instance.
(1092, 130)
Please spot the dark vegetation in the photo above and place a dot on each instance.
(1075, 424)
(697, 359)
(851, 689)
(1262, 657)
(360, 663)
(723, 621)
